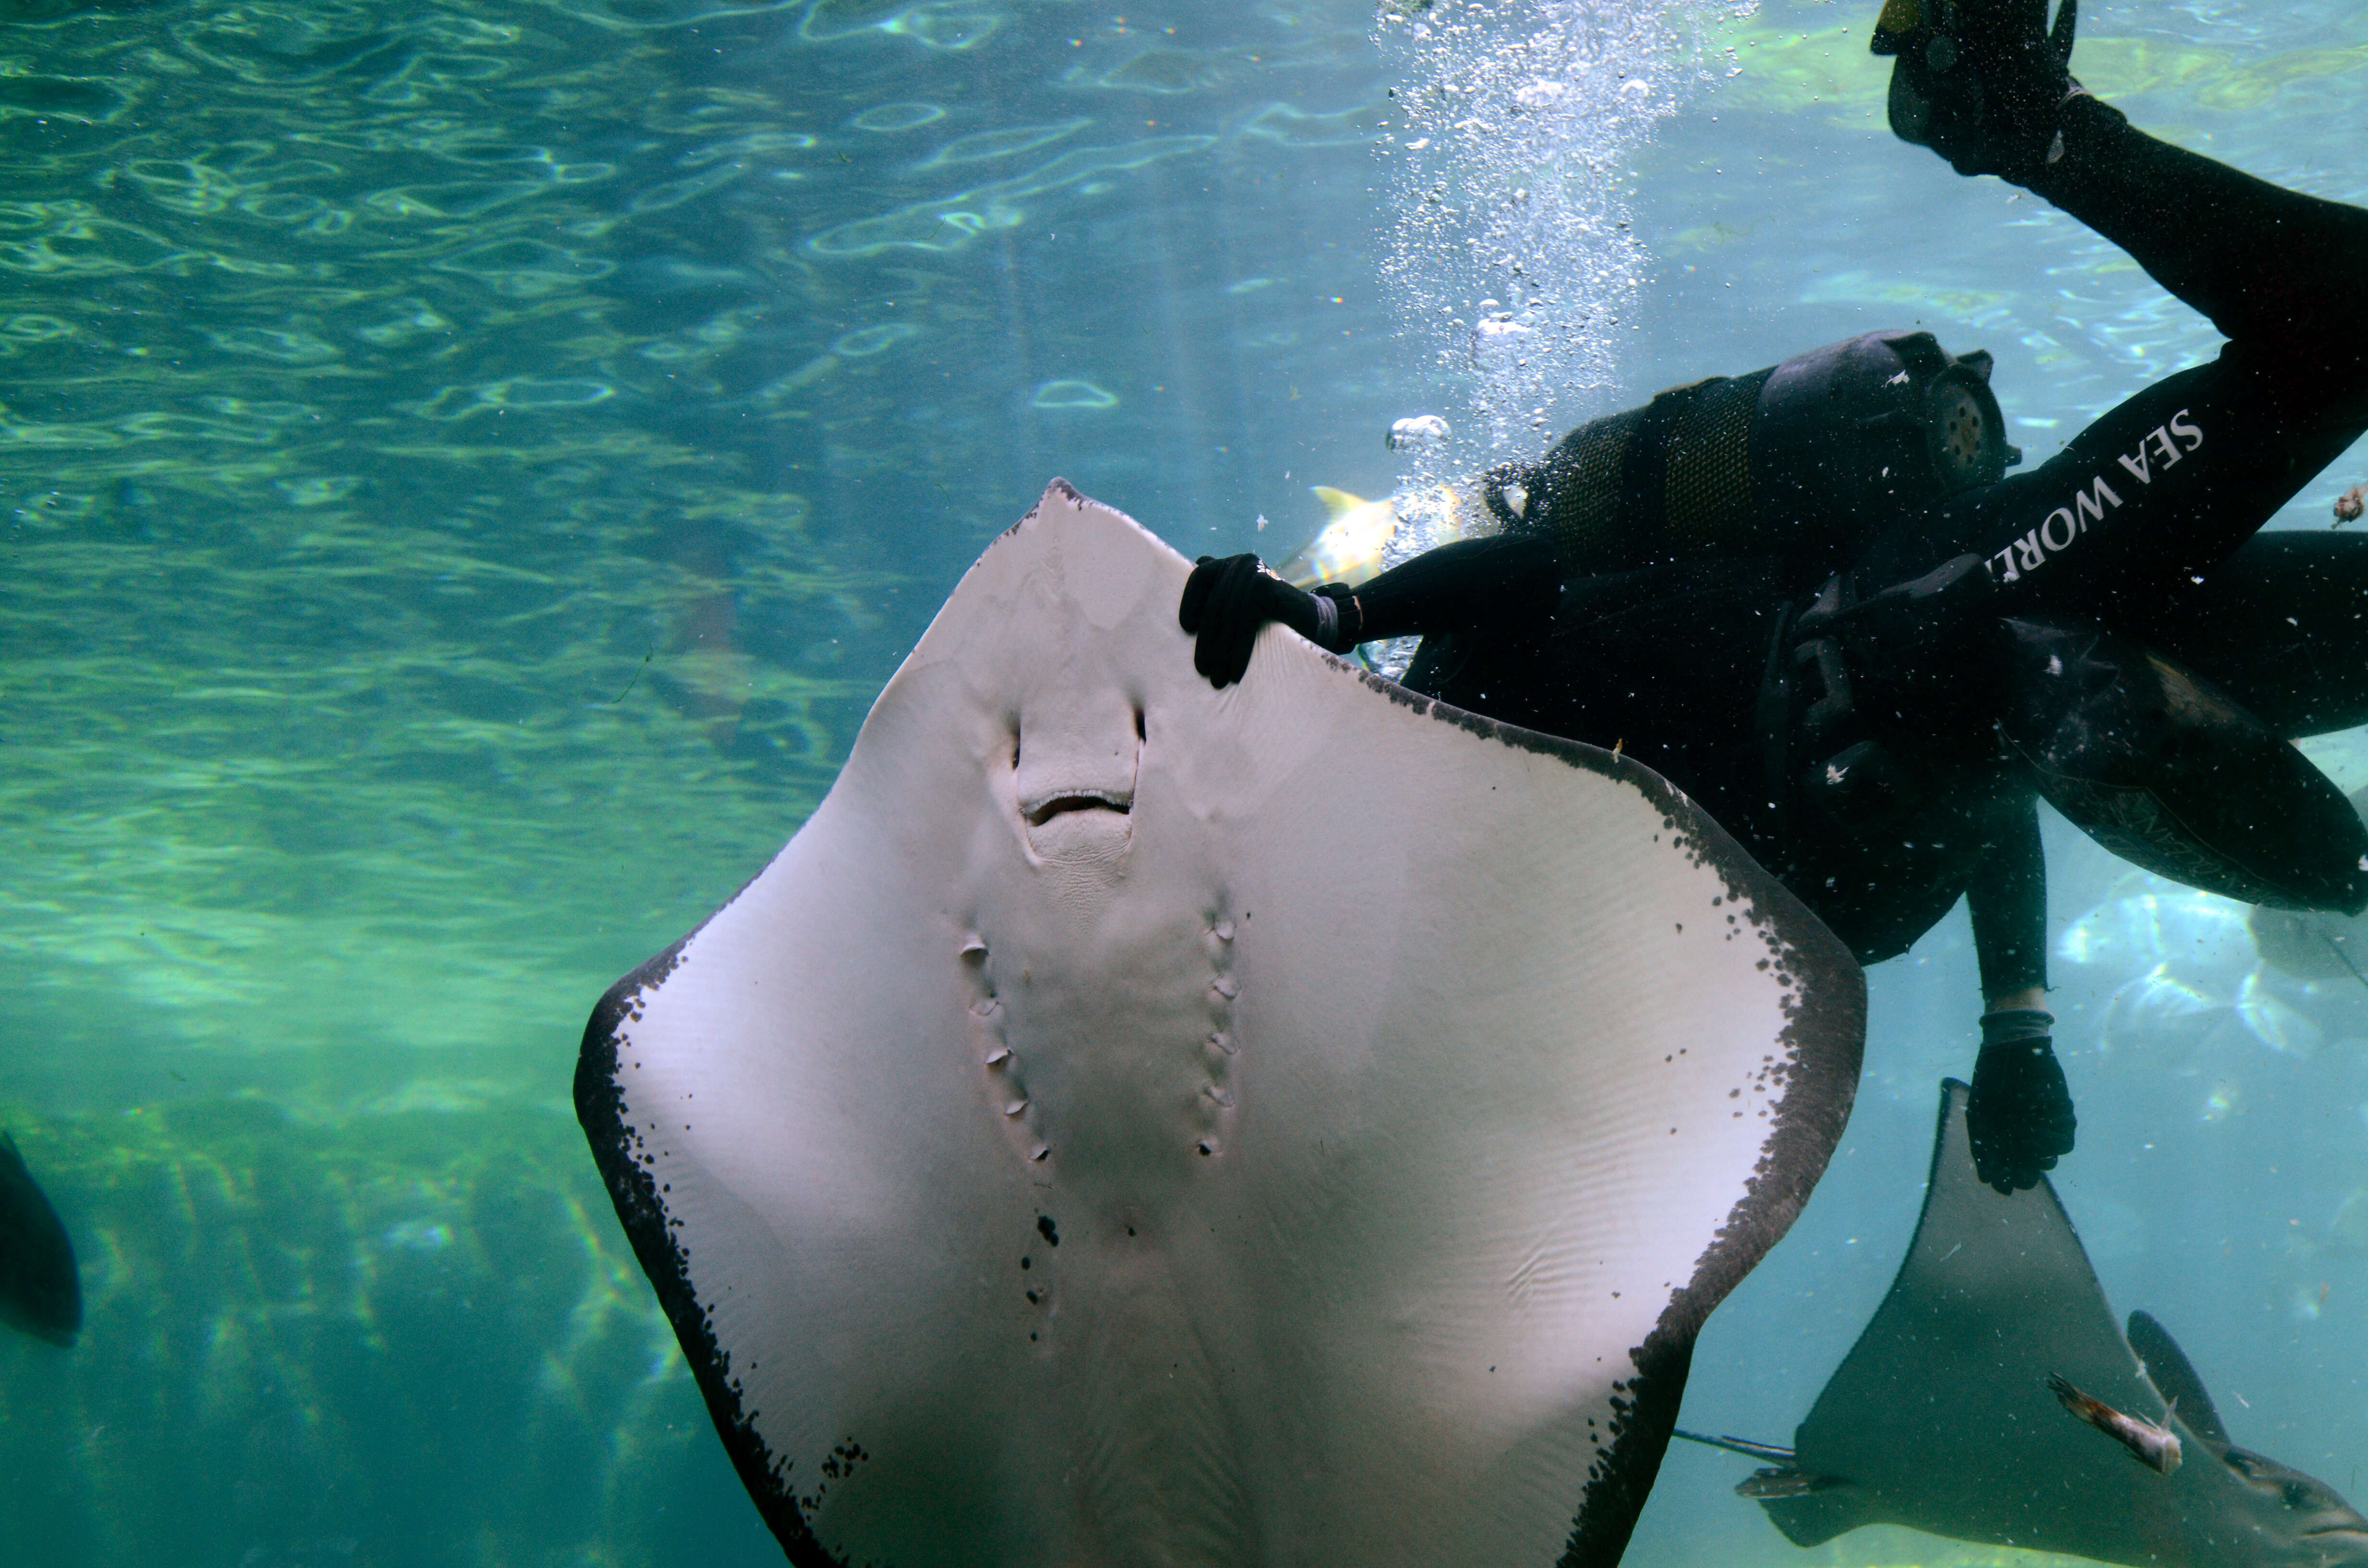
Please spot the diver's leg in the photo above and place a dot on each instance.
(2281, 625)
(1988, 85)
(2167, 483)
(2264, 264)
(2183, 779)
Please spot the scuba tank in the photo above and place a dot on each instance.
(1820, 451)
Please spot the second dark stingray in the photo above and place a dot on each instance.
(1940, 1417)
(40, 1290)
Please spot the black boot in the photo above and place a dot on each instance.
(1983, 82)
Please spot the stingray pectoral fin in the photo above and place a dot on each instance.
(1809, 1509)
(2174, 1377)
(1330, 1155)
(1941, 1415)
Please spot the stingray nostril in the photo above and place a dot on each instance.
(1139, 733)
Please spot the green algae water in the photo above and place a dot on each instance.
(467, 467)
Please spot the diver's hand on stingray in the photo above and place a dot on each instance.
(2020, 1117)
(1983, 82)
(1227, 601)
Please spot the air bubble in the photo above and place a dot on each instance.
(1530, 116)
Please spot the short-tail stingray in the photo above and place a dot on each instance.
(1133, 1123)
(41, 1292)
(1940, 1417)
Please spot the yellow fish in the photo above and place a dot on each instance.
(1349, 548)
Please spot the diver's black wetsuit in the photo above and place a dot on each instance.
(2144, 523)
(2142, 527)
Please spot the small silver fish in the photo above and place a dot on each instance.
(2156, 1448)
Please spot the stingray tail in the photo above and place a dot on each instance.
(1781, 1480)
(1767, 1453)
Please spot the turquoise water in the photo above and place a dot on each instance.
(468, 467)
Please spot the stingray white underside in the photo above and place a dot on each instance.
(1137, 1123)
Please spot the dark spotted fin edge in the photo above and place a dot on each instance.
(1821, 1048)
(600, 1108)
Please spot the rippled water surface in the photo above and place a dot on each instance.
(467, 467)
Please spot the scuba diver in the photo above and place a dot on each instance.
(1813, 598)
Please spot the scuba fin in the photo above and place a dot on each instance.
(1981, 82)
(2174, 776)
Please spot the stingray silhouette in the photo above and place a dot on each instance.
(41, 1290)
(1942, 1417)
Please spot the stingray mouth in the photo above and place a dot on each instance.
(1038, 813)
(1076, 825)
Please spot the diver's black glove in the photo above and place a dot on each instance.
(2019, 1115)
(1226, 602)
(1983, 82)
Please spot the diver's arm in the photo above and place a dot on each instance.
(1456, 588)
(2020, 1116)
(2008, 903)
